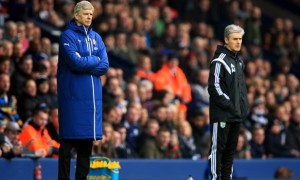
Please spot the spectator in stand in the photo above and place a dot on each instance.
(2, 141)
(21, 74)
(147, 100)
(173, 116)
(53, 65)
(123, 150)
(5, 65)
(149, 132)
(47, 13)
(159, 113)
(158, 148)
(110, 115)
(134, 47)
(119, 100)
(43, 60)
(120, 151)
(258, 115)
(35, 50)
(121, 48)
(144, 69)
(120, 76)
(46, 46)
(201, 135)
(35, 137)
(22, 36)
(53, 92)
(2, 126)
(170, 33)
(257, 144)
(294, 100)
(131, 92)
(293, 131)
(13, 145)
(10, 31)
(7, 48)
(253, 27)
(250, 72)
(110, 89)
(53, 125)
(271, 102)
(30, 26)
(42, 84)
(204, 11)
(8, 102)
(29, 100)
(109, 41)
(174, 146)
(283, 173)
(172, 78)
(144, 116)
(16, 56)
(293, 84)
(107, 147)
(276, 142)
(133, 128)
(200, 96)
(242, 148)
(186, 141)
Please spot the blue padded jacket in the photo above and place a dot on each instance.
(82, 60)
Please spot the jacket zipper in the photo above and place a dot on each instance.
(88, 43)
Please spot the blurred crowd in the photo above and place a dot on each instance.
(160, 108)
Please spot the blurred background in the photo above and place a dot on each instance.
(147, 115)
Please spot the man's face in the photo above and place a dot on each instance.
(152, 129)
(259, 136)
(84, 17)
(234, 42)
(4, 83)
(41, 118)
(164, 138)
(12, 135)
(27, 66)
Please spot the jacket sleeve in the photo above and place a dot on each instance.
(103, 66)
(48, 140)
(215, 89)
(72, 58)
(30, 142)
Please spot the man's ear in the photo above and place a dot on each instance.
(76, 16)
(226, 40)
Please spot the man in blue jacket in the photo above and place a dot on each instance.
(82, 60)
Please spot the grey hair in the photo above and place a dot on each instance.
(232, 28)
(83, 5)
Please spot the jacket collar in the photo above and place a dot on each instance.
(34, 125)
(223, 49)
(72, 25)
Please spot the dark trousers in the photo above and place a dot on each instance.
(83, 148)
(223, 146)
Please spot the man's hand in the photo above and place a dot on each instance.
(5, 148)
(17, 148)
(40, 153)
